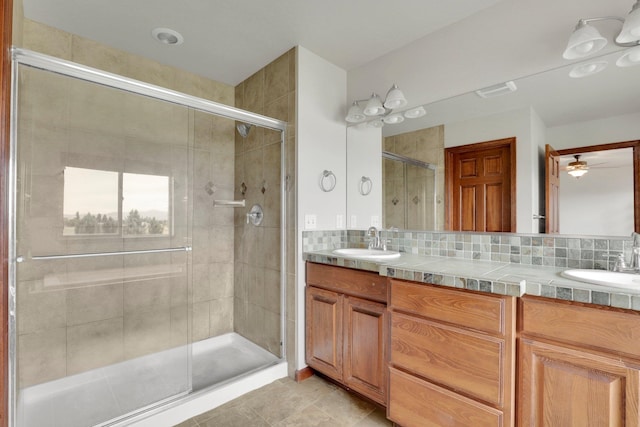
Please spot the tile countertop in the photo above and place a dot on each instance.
(487, 276)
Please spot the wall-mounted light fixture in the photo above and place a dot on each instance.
(587, 40)
(377, 113)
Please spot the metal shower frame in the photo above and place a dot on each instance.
(67, 68)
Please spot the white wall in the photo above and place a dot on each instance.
(364, 151)
(585, 195)
(321, 136)
(517, 123)
(602, 131)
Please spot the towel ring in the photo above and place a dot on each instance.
(331, 178)
(365, 185)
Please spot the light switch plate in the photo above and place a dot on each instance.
(310, 222)
(339, 221)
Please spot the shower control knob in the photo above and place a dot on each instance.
(255, 215)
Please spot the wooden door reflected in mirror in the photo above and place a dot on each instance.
(480, 186)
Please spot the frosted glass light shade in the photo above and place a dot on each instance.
(374, 106)
(375, 124)
(393, 119)
(584, 41)
(629, 58)
(395, 98)
(415, 113)
(577, 173)
(584, 70)
(355, 114)
(631, 28)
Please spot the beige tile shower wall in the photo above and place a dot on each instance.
(271, 92)
(69, 329)
(426, 145)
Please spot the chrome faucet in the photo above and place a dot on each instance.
(374, 242)
(634, 264)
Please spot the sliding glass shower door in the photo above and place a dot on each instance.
(102, 244)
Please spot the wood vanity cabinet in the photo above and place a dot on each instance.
(452, 357)
(346, 328)
(578, 364)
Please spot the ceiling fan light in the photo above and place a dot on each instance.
(415, 113)
(578, 167)
(629, 58)
(393, 119)
(577, 173)
(395, 98)
(631, 27)
(355, 114)
(374, 106)
(584, 41)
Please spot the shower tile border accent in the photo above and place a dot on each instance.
(527, 250)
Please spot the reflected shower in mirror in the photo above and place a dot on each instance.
(409, 190)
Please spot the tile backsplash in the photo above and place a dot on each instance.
(527, 249)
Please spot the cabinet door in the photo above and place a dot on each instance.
(324, 331)
(569, 387)
(365, 339)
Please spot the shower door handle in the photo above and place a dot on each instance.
(99, 254)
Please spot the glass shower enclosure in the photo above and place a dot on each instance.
(122, 235)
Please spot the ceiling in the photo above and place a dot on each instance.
(433, 49)
(229, 40)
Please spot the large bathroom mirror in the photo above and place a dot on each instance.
(546, 108)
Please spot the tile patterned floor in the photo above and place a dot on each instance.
(285, 403)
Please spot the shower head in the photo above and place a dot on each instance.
(243, 129)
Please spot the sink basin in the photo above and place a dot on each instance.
(367, 253)
(606, 278)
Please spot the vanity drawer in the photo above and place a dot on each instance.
(358, 283)
(418, 403)
(482, 312)
(466, 361)
(591, 326)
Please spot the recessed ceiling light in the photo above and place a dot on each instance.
(167, 36)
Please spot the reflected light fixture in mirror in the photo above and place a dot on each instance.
(377, 113)
(578, 167)
(587, 69)
(587, 40)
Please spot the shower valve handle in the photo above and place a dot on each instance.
(255, 215)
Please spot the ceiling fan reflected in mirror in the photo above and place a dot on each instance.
(578, 167)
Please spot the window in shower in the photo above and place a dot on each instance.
(145, 204)
(91, 203)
